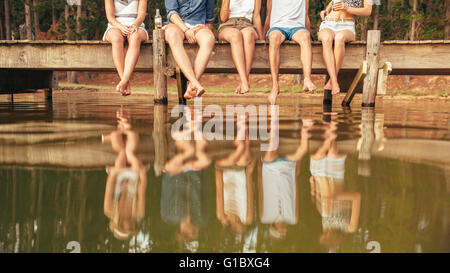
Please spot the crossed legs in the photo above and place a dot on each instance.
(205, 40)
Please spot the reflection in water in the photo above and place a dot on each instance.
(223, 195)
(339, 209)
(184, 197)
(127, 181)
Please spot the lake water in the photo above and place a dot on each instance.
(95, 173)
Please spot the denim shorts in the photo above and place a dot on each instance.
(287, 32)
(336, 26)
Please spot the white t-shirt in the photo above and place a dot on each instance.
(235, 193)
(288, 13)
(242, 8)
(279, 191)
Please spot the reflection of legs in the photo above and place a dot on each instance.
(115, 37)
(276, 38)
(303, 146)
(134, 48)
(234, 37)
(326, 36)
(131, 149)
(303, 38)
(175, 38)
(119, 147)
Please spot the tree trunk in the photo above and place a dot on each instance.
(389, 9)
(53, 15)
(447, 17)
(29, 35)
(66, 19)
(364, 29)
(412, 32)
(79, 15)
(1, 23)
(36, 20)
(7, 22)
(376, 17)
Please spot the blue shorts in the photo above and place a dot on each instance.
(287, 32)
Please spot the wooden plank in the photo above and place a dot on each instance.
(407, 58)
(358, 78)
(383, 77)
(372, 57)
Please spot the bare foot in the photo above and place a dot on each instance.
(127, 90)
(244, 88)
(273, 95)
(238, 90)
(199, 90)
(121, 87)
(335, 89)
(327, 85)
(190, 93)
(308, 85)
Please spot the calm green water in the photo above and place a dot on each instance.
(353, 181)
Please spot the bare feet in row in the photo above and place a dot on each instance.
(308, 85)
(333, 86)
(194, 90)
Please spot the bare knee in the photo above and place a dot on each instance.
(248, 35)
(327, 39)
(116, 39)
(236, 37)
(275, 39)
(339, 40)
(172, 36)
(134, 40)
(303, 37)
(207, 41)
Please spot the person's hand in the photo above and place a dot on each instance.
(323, 13)
(340, 6)
(190, 36)
(125, 30)
(133, 28)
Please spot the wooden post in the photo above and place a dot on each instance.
(160, 137)
(181, 85)
(159, 66)
(352, 89)
(382, 78)
(366, 141)
(372, 56)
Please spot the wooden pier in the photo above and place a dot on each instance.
(395, 57)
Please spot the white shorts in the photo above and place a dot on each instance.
(126, 21)
(337, 26)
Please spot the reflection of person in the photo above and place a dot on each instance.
(338, 27)
(234, 189)
(339, 209)
(124, 202)
(185, 189)
(278, 189)
(241, 27)
(192, 21)
(125, 23)
(288, 20)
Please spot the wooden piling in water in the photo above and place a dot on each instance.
(160, 138)
(372, 58)
(159, 67)
(366, 141)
